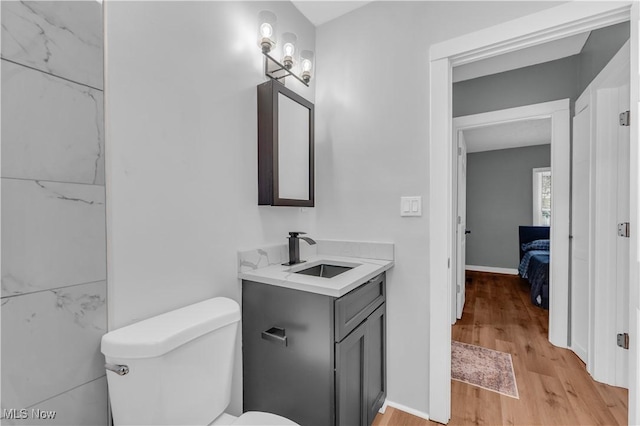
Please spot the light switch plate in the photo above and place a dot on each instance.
(411, 206)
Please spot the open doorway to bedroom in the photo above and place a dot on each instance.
(533, 30)
(508, 199)
(503, 149)
(491, 275)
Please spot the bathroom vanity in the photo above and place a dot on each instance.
(314, 347)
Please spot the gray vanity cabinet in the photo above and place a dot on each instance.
(360, 371)
(376, 362)
(351, 378)
(315, 359)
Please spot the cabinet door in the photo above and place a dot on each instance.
(293, 378)
(350, 378)
(376, 390)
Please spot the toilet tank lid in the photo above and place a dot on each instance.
(160, 334)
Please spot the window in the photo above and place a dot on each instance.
(542, 196)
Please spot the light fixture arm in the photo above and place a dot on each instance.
(277, 71)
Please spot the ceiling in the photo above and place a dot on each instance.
(508, 135)
(321, 11)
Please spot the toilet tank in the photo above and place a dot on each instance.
(180, 365)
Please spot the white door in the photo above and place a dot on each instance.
(608, 362)
(580, 209)
(634, 269)
(461, 229)
(622, 281)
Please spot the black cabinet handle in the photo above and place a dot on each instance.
(467, 231)
(275, 335)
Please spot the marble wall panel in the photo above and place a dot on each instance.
(52, 129)
(53, 311)
(85, 405)
(51, 342)
(53, 235)
(63, 38)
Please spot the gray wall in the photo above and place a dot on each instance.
(545, 82)
(600, 47)
(53, 212)
(560, 79)
(499, 199)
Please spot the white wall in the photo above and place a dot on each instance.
(182, 158)
(181, 152)
(372, 147)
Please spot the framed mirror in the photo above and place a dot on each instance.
(285, 147)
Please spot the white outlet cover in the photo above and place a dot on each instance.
(411, 206)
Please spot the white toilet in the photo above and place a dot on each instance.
(175, 368)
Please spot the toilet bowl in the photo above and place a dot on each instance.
(176, 368)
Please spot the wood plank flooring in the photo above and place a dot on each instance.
(554, 386)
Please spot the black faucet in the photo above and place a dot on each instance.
(294, 247)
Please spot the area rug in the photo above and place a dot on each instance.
(482, 367)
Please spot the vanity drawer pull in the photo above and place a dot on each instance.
(275, 335)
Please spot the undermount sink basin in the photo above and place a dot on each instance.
(324, 270)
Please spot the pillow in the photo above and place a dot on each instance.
(536, 245)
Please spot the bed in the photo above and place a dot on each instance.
(534, 262)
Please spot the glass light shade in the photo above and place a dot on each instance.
(267, 30)
(306, 64)
(289, 52)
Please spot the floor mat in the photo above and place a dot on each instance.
(482, 367)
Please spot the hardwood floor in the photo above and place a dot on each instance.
(554, 386)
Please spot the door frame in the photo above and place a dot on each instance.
(551, 24)
(559, 114)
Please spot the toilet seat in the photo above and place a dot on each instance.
(258, 418)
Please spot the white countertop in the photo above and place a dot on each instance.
(285, 276)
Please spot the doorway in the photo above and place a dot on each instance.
(552, 24)
(557, 112)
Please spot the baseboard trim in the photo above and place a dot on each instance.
(507, 271)
(404, 408)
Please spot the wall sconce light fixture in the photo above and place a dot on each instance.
(289, 49)
(267, 30)
(273, 68)
(306, 61)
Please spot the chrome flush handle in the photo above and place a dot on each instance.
(120, 370)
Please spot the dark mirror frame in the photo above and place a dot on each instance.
(268, 185)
